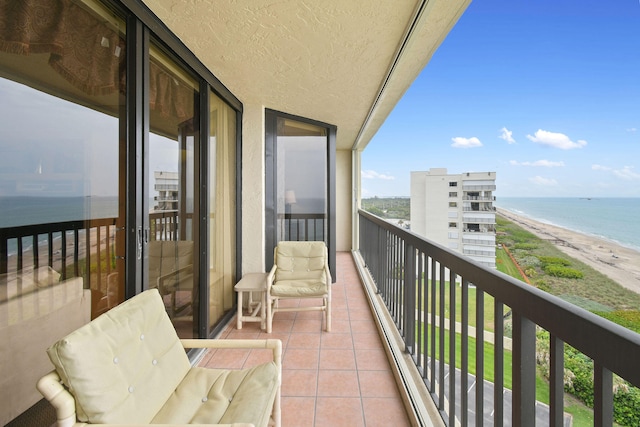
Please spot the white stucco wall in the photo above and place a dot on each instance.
(344, 190)
(253, 188)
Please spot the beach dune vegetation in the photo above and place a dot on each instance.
(594, 286)
(561, 271)
(553, 260)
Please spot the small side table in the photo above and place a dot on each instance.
(252, 282)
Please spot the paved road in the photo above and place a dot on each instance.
(542, 410)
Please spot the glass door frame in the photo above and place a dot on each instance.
(142, 25)
(271, 228)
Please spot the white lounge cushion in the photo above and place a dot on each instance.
(222, 396)
(123, 366)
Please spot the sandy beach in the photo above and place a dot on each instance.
(619, 263)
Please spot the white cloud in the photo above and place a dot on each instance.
(625, 173)
(632, 129)
(460, 142)
(556, 140)
(507, 135)
(547, 182)
(371, 174)
(543, 163)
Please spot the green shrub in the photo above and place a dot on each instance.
(626, 405)
(630, 319)
(561, 271)
(579, 382)
(526, 246)
(542, 285)
(530, 272)
(552, 260)
(529, 261)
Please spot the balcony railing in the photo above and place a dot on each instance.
(477, 220)
(478, 187)
(483, 230)
(302, 227)
(490, 242)
(412, 277)
(479, 198)
(33, 246)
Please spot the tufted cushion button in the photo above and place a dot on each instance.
(115, 360)
(130, 389)
(204, 399)
(141, 337)
(154, 362)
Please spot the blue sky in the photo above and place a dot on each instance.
(545, 93)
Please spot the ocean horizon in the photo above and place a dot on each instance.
(613, 219)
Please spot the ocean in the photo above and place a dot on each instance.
(615, 219)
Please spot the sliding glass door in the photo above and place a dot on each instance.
(300, 192)
(170, 238)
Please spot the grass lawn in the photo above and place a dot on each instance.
(582, 415)
(489, 355)
(506, 265)
(488, 304)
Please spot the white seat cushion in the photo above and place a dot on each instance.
(124, 365)
(211, 396)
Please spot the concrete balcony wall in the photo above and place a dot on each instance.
(253, 189)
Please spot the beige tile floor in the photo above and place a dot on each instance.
(333, 379)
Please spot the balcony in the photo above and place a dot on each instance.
(478, 187)
(487, 229)
(479, 198)
(387, 359)
(340, 378)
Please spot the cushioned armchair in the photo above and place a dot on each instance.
(300, 270)
(129, 367)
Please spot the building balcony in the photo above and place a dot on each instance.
(479, 198)
(478, 187)
(485, 229)
(483, 208)
(384, 363)
(337, 378)
(476, 219)
(489, 241)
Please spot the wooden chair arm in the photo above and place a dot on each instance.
(275, 345)
(65, 405)
(270, 277)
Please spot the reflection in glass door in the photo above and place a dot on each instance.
(62, 86)
(173, 137)
(300, 176)
(301, 181)
(222, 208)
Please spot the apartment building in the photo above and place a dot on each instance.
(456, 211)
(166, 185)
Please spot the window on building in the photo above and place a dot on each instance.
(453, 204)
(453, 225)
(453, 184)
(453, 194)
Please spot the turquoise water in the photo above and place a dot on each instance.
(615, 219)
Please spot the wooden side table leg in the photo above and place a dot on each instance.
(263, 311)
(239, 315)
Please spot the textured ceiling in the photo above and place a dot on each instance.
(322, 59)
